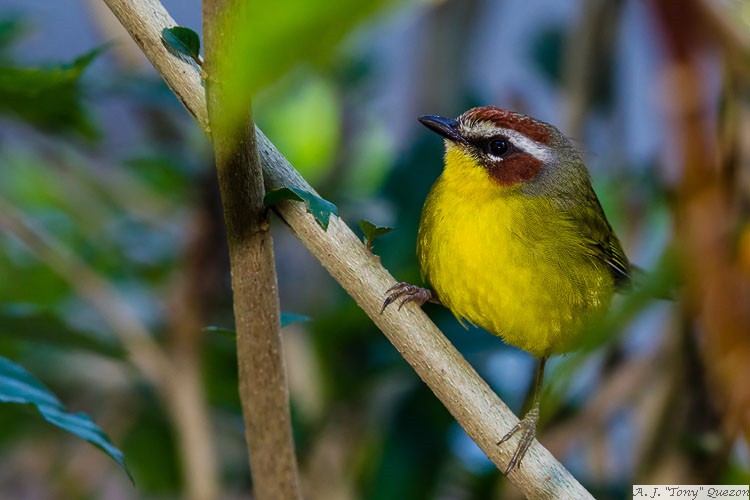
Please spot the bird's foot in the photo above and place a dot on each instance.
(527, 428)
(407, 293)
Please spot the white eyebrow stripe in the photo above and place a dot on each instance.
(535, 149)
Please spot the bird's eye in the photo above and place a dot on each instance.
(498, 147)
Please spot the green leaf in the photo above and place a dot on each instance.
(270, 38)
(320, 209)
(286, 320)
(547, 49)
(183, 42)
(372, 231)
(11, 30)
(289, 318)
(227, 332)
(19, 386)
(49, 98)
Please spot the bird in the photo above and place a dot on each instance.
(513, 239)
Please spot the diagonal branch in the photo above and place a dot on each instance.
(469, 399)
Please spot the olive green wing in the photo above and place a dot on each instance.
(600, 241)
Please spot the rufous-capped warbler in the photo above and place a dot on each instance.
(513, 239)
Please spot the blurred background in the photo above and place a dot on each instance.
(112, 246)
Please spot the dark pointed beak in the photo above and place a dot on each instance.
(446, 127)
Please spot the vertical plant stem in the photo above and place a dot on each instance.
(186, 405)
(263, 387)
(187, 313)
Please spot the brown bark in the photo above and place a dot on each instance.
(263, 388)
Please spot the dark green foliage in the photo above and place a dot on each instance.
(411, 457)
(31, 283)
(27, 324)
(150, 448)
(49, 98)
(350, 351)
(221, 380)
(406, 188)
(547, 51)
(10, 30)
(183, 42)
(19, 386)
(320, 209)
(163, 174)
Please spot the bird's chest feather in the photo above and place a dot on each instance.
(512, 265)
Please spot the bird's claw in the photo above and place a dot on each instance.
(407, 293)
(527, 427)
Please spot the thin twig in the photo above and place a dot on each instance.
(186, 315)
(469, 399)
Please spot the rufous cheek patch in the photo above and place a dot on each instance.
(515, 169)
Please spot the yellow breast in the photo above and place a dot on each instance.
(510, 264)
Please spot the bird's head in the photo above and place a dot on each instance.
(503, 149)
